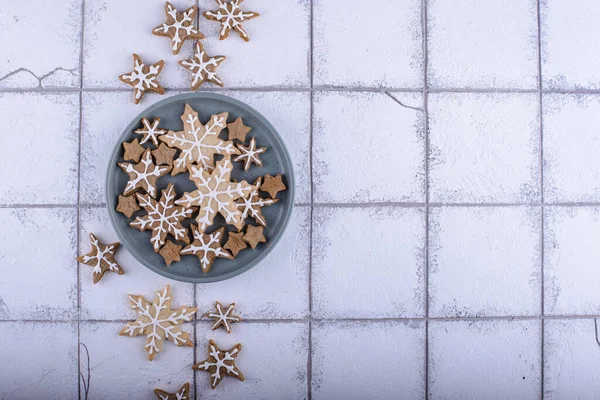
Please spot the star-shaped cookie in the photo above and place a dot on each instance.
(254, 236)
(127, 205)
(273, 185)
(220, 363)
(206, 247)
(223, 318)
(132, 151)
(235, 243)
(170, 252)
(250, 154)
(237, 130)
(101, 258)
(203, 67)
(253, 204)
(150, 131)
(179, 26)
(182, 394)
(231, 16)
(143, 78)
(163, 155)
(143, 175)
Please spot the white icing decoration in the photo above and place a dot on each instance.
(250, 154)
(150, 131)
(224, 317)
(199, 64)
(145, 81)
(186, 23)
(219, 363)
(231, 16)
(216, 193)
(252, 205)
(203, 245)
(166, 214)
(142, 177)
(100, 256)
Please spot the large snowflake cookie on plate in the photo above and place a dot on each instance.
(220, 363)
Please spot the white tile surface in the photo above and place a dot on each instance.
(491, 360)
(107, 300)
(120, 368)
(368, 263)
(569, 37)
(482, 44)
(278, 51)
(571, 147)
(374, 45)
(357, 360)
(368, 148)
(284, 272)
(571, 260)
(273, 361)
(40, 360)
(39, 148)
(39, 275)
(570, 360)
(53, 29)
(501, 278)
(484, 147)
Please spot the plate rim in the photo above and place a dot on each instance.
(110, 172)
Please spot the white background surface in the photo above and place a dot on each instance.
(446, 239)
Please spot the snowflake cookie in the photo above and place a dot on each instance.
(220, 363)
(143, 175)
(158, 321)
(224, 319)
(253, 204)
(179, 26)
(199, 143)
(216, 194)
(101, 258)
(203, 67)
(143, 78)
(162, 217)
(150, 131)
(250, 154)
(182, 394)
(206, 247)
(231, 16)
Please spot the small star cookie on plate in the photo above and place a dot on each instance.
(273, 185)
(206, 247)
(235, 243)
(253, 204)
(237, 130)
(250, 154)
(254, 236)
(143, 78)
(170, 252)
(143, 175)
(101, 258)
(150, 131)
(132, 151)
(127, 205)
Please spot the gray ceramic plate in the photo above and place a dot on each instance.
(275, 160)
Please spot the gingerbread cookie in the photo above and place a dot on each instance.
(170, 252)
(224, 319)
(220, 363)
(179, 26)
(143, 175)
(182, 394)
(237, 130)
(143, 78)
(206, 247)
(231, 16)
(198, 143)
(235, 243)
(254, 236)
(162, 217)
(253, 204)
(132, 151)
(101, 258)
(158, 321)
(150, 131)
(127, 205)
(273, 185)
(216, 193)
(163, 155)
(203, 67)
(250, 154)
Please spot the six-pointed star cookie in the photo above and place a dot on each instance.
(158, 321)
(101, 258)
(127, 205)
(273, 185)
(143, 175)
(132, 151)
(220, 363)
(179, 26)
(253, 204)
(162, 217)
(203, 67)
(182, 394)
(231, 16)
(235, 243)
(250, 154)
(237, 130)
(150, 131)
(143, 78)
(206, 247)
(223, 318)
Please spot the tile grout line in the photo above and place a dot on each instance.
(542, 250)
(426, 131)
(195, 301)
(312, 201)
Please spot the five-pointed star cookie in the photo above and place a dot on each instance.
(101, 258)
(250, 154)
(254, 236)
(235, 243)
(231, 16)
(206, 247)
(143, 175)
(143, 78)
(162, 217)
(127, 205)
(182, 394)
(150, 131)
(253, 204)
(179, 26)
(273, 185)
(220, 363)
(237, 130)
(216, 193)
(158, 321)
(163, 155)
(203, 67)
(132, 151)
(170, 252)
(223, 318)
(199, 143)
